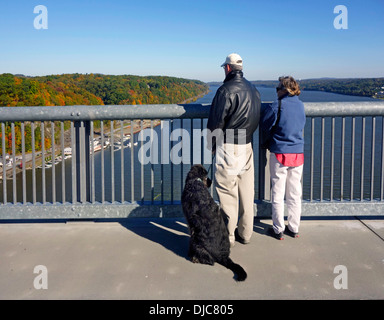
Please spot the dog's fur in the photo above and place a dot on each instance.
(209, 241)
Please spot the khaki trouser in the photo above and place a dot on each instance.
(235, 187)
(286, 181)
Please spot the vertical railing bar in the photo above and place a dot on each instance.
(332, 155)
(362, 160)
(73, 164)
(172, 184)
(33, 163)
(43, 191)
(161, 162)
(4, 152)
(88, 138)
(213, 159)
(24, 177)
(373, 155)
(112, 162)
(102, 162)
(53, 162)
(322, 160)
(92, 164)
(132, 163)
(302, 177)
(82, 192)
(352, 155)
(382, 160)
(312, 156)
(122, 159)
(62, 142)
(342, 160)
(191, 143)
(182, 155)
(14, 193)
(212, 172)
(152, 169)
(202, 141)
(142, 164)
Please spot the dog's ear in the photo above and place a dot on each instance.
(202, 171)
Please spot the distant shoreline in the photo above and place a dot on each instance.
(193, 99)
(360, 87)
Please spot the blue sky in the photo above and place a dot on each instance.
(191, 39)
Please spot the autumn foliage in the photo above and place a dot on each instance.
(87, 89)
(95, 89)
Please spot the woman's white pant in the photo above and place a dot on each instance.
(286, 181)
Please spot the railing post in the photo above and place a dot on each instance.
(82, 132)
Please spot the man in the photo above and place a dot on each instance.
(235, 112)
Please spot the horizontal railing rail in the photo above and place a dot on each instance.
(168, 111)
(343, 171)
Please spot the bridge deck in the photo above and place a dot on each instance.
(146, 259)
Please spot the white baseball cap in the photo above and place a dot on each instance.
(233, 59)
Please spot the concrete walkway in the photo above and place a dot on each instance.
(146, 259)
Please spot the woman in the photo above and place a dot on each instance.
(282, 132)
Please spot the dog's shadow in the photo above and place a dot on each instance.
(172, 234)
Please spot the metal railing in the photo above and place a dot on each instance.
(83, 161)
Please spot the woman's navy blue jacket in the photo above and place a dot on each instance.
(287, 136)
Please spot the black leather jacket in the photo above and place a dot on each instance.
(236, 105)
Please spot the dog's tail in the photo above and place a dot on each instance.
(240, 273)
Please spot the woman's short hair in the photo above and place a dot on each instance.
(290, 84)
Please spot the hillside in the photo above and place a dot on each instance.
(89, 89)
(95, 89)
(367, 87)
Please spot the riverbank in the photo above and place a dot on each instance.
(194, 99)
(16, 163)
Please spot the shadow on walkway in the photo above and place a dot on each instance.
(171, 234)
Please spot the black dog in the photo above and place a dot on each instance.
(209, 242)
